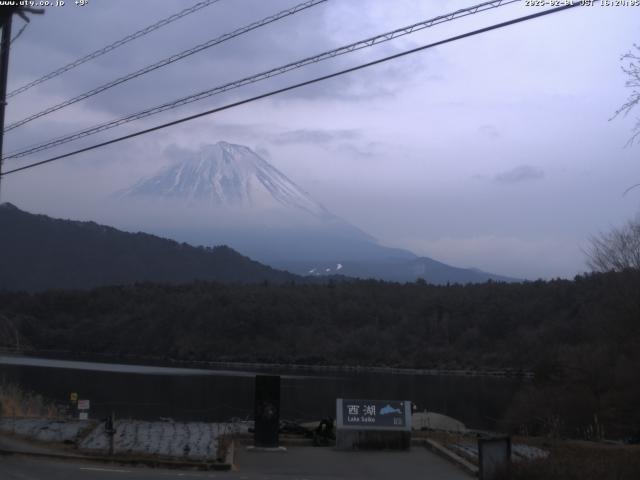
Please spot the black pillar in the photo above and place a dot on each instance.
(267, 411)
(4, 71)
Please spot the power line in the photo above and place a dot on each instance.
(5, 43)
(297, 85)
(19, 32)
(6, 20)
(113, 46)
(169, 60)
(631, 188)
(384, 37)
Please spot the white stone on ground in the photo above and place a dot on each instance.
(167, 439)
(436, 421)
(519, 451)
(45, 430)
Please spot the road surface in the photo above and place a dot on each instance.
(299, 463)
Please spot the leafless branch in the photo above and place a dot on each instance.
(616, 250)
(631, 68)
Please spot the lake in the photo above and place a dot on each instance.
(184, 394)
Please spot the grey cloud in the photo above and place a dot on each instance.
(316, 137)
(263, 152)
(175, 153)
(489, 131)
(75, 35)
(383, 80)
(366, 151)
(246, 55)
(521, 173)
(230, 131)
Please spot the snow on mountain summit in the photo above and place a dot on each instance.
(225, 174)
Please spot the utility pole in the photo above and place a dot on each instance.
(4, 71)
(110, 429)
(6, 17)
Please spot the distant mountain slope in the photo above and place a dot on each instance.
(396, 270)
(235, 197)
(39, 252)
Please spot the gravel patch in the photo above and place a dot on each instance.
(192, 440)
(527, 452)
(46, 430)
(186, 440)
(519, 451)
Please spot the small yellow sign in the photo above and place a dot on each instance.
(73, 397)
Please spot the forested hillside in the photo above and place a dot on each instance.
(358, 322)
(580, 337)
(42, 252)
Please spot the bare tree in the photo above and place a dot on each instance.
(631, 67)
(616, 250)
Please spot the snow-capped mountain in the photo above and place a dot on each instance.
(227, 175)
(227, 194)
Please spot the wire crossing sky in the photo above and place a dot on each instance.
(368, 42)
(169, 60)
(298, 85)
(97, 53)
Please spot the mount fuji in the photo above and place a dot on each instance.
(226, 175)
(227, 194)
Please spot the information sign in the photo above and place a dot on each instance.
(374, 414)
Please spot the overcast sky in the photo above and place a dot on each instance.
(494, 152)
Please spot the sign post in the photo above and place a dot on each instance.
(110, 430)
(373, 424)
(83, 408)
(73, 404)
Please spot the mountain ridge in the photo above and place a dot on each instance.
(45, 252)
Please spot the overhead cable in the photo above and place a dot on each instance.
(296, 86)
(167, 61)
(101, 51)
(384, 37)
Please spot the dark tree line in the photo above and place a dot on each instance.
(365, 322)
(580, 337)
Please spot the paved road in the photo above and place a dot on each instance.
(299, 463)
(326, 463)
(29, 468)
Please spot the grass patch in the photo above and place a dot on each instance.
(17, 402)
(570, 460)
(567, 460)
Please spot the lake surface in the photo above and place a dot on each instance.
(149, 392)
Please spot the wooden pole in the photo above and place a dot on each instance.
(4, 71)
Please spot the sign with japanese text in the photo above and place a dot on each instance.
(374, 414)
(83, 404)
